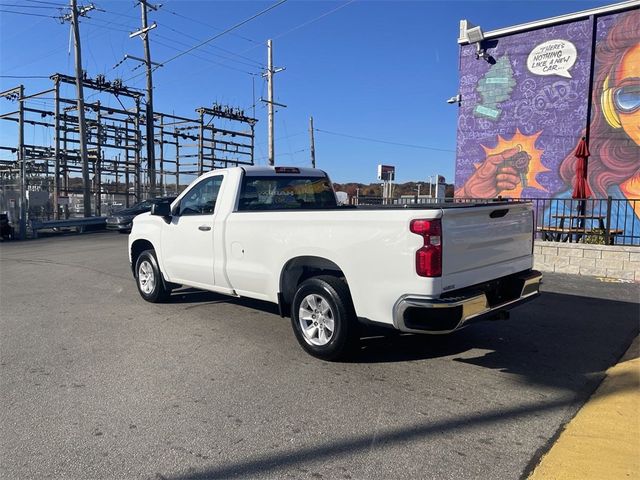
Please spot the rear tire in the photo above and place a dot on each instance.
(323, 318)
(151, 285)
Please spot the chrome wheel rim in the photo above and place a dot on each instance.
(146, 278)
(316, 320)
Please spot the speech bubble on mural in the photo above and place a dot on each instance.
(555, 57)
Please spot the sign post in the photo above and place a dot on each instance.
(386, 173)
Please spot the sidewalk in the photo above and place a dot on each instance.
(603, 439)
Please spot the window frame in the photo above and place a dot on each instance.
(268, 208)
(178, 208)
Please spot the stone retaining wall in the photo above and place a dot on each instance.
(586, 259)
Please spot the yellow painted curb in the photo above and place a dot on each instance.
(603, 440)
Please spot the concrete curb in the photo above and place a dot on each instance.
(603, 439)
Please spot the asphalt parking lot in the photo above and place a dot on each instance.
(97, 383)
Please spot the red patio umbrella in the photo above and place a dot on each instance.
(581, 187)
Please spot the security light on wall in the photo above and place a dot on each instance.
(455, 99)
(475, 35)
(481, 53)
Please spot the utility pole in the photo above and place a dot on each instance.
(312, 143)
(269, 74)
(82, 126)
(56, 177)
(23, 166)
(272, 154)
(144, 34)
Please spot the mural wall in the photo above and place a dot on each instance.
(524, 111)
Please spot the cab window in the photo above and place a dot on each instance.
(201, 199)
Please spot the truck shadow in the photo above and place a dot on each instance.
(195, 297)
(556, 340)
(559, 340)
(563, 342)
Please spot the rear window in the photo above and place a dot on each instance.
(285, 193)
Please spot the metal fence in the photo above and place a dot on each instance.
(608, 221)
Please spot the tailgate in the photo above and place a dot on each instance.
(483, 236)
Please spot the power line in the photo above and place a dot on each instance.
(224, 32)
(197, 56)
(113, 22)
(308, 22)
(367, 139)
(27, 13)
(206, 24)
(215, 46)
(91, 35)
(303, 24)
(173, 40)
(253, 64)
(61, 5)
(26, 6)
(24, 76)
(118, 14)
(206, 52)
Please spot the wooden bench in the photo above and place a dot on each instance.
(555, 233)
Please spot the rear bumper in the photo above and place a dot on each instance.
(417, 314)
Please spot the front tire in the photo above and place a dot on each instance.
(323, 318)
(151, 285)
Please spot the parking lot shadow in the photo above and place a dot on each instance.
(273, 464)
(561, 341)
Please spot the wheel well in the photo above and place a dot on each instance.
(299, 269)
(137, 248)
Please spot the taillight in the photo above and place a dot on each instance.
(429, 256)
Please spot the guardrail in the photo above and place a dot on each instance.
(78, 223)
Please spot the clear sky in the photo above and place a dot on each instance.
(374, 69)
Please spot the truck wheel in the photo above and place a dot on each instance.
(149, 279)
(323, 318)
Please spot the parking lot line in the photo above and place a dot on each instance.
(603, 439)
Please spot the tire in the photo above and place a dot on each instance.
(321, 303)
(151, 285)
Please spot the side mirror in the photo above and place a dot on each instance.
(161, 209)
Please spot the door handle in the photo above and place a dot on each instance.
(204, 228)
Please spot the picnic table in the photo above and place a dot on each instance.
(574, 226)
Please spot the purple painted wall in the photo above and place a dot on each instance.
(525, 108)
(524, 111)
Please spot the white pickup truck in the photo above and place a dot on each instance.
(277, 234)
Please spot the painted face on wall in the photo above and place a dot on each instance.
(624, 96)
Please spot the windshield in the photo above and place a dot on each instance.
(286, 193)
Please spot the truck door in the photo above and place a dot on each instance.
(188, 240)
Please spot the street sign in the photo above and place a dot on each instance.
(386, 173)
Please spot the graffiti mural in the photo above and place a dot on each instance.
(614, 165)
(522, 111)
(525, 108)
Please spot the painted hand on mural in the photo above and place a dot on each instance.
(501, 171)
